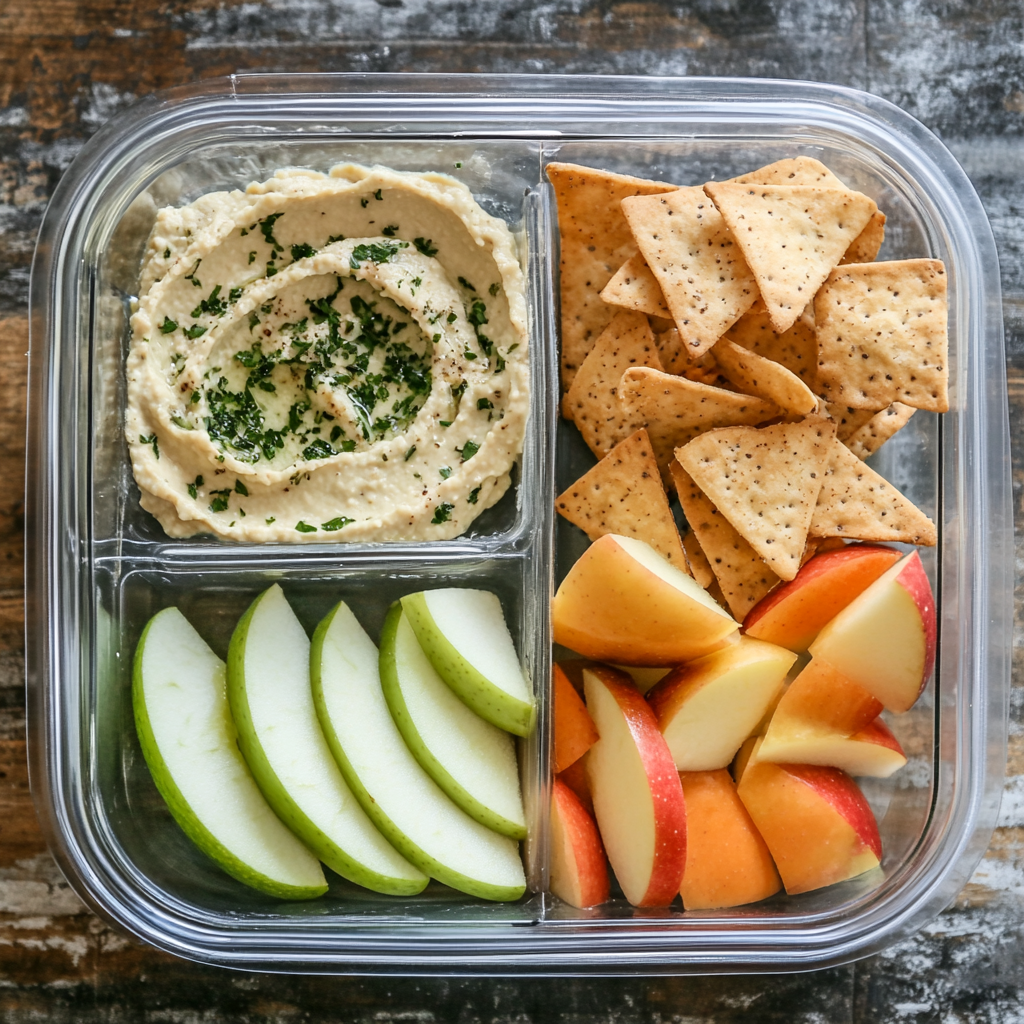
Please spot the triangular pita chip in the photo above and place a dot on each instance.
(848, 421)
(676, 410)
(705, 281)
(858, 504)
(633, 286)
(675, 359)
(864, 248)
(595, 242)
(765, 481)
(741, 572)
(794, 170)
(872, 435)
(882, 335)
(791, 237)
(796, 349)
(623, 494)
(700, 567)
(764, 378)
(593, 401)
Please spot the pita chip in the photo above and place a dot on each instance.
(796, 349)
(633, 286)
(690, 250)
(700, 567)
(867, 439)
(595, 242)
(755, 375)
(795, 170)
(857, 504)
(676, 410)
(791, 237)
(864, 248)
(593, 400)
(623, 494)
(741, 572)
(675, 359)
(765, 481)
(882, 335)
(848, 421)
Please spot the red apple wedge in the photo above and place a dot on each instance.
(794, 613)
(872, 751)
(579, 870)
(727, 861)
(576, 778)
(884, 640)
(707, 708)
(574, 728)
(638, 799)
(742, 758)
(816, 822)
(623, 602)
(821, 699)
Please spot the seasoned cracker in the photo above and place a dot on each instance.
(676, 410)
(741, 572)
(796, 349)
(765, 481)
(623, 494)
(864, 248)
(593, 401)
(700, 567)
(633, 286)
(791, 237)
(872, 435)
(857, 504)
(703, 276)
(882, 335)
(848, 420)
(595, 242)
(755, 375)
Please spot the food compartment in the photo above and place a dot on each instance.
(148, 853)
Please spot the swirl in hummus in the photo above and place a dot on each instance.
(337, 356)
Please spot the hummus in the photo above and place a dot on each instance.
(328, 357)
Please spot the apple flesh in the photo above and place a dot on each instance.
(707, 708)
(872, 751)
(473, 761)
(188, 738)
(884, 640)
(577, 779)
(284, 746)
(821, 699)
(816, 822)
(727, 861)
(794, 613)
(575, 733)
(579, 870)
(403, 801)
(638, 799)
(463, 633)
(622, 602)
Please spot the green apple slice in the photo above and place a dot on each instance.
(189, 742)
(464, 635)
(473, 761)
(401, 798)
(281, 739)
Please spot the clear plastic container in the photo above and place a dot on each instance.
(98, 567)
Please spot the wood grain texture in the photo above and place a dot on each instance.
(67, 65)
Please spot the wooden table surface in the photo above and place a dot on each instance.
(68, 65)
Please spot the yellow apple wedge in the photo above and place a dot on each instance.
(623, 602)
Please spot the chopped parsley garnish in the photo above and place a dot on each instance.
(410, 453)
(195, 331)
(442, 513)
(168, 326)
(378, 196)
(151, 440)
(234, 295)
(425, 246)
(466, 284)
(191, 275)
(445, 423)
(390, 231)
(445, 471)
(319, 449)
(364, 203)
(267, 228)
(220, 503)
(375, 252)
(468, 450)
(452, 317)
(211, 305)
(304, 527)
(193, 488)
(499, 364)
(271, 269)
(338, 523)
(473, 495)
(240, 488)
(252, 256)
(178, 421)
(494, 288)
(484, 403)
(300, 252)
(271, 519)
(469, 355)
(167, 254)
(335, 238)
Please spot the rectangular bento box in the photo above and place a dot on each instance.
(98, 566)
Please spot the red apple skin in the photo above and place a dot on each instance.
(576, 778)
(863, 641)
(794, 613)
(579, 869)
(879, 733)
(575, 732)
(823, 698)
(663, 789)
(816, 822)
